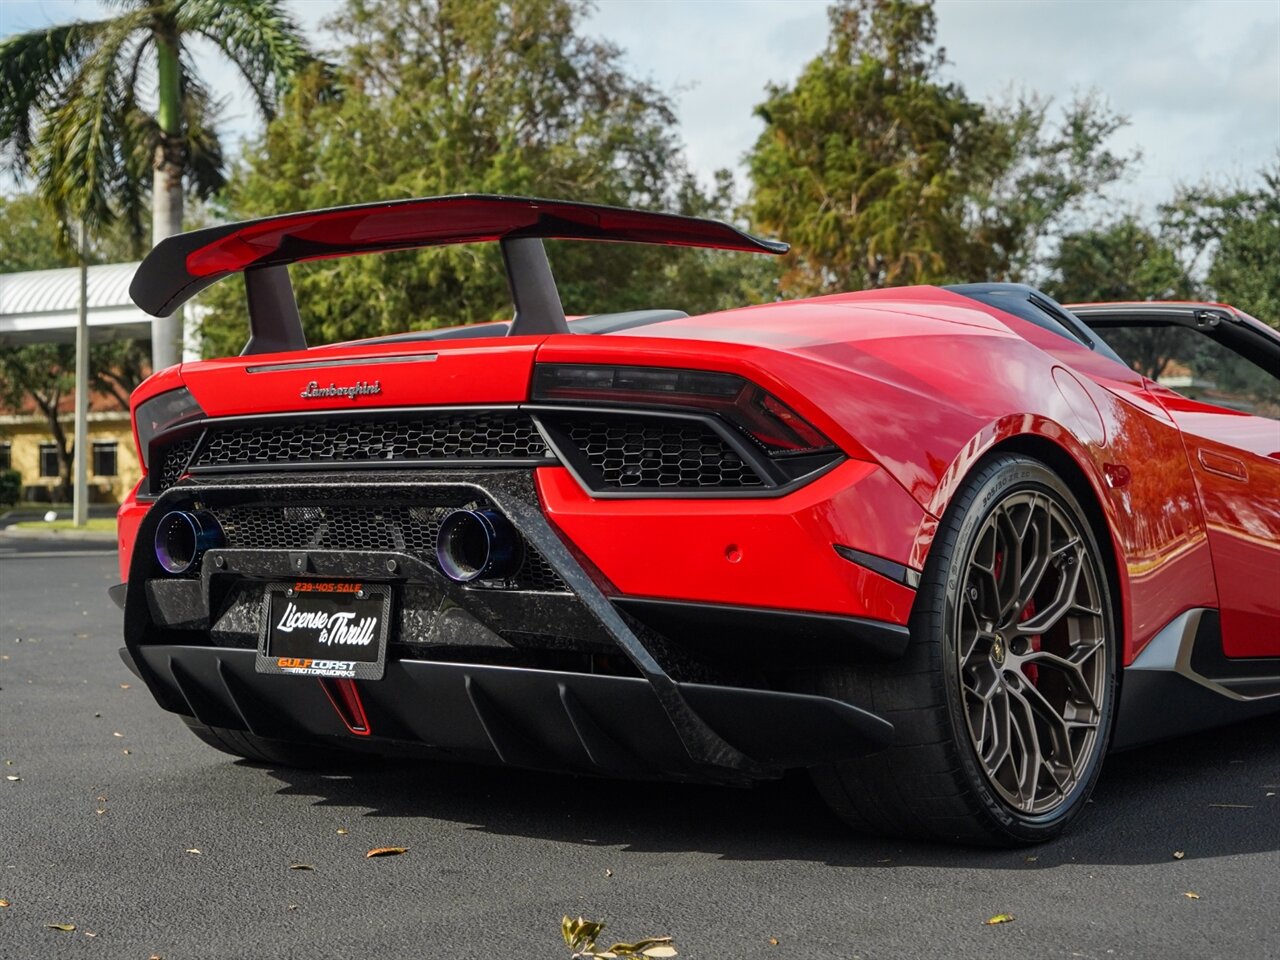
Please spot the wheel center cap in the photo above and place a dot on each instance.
(997, 650)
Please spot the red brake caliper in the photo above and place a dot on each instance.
(1031, 671)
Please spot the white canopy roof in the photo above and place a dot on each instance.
(40, 306)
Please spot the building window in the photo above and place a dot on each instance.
(6, 456)
(49, 460)
(104, 458)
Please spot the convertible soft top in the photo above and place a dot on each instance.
(181, 266)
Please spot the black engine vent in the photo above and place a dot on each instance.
(630, 451)
(171, 463)
(452, 436)
(446, 438)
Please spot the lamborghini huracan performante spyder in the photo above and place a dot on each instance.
(943, 547)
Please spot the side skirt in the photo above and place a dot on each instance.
(1181, 683)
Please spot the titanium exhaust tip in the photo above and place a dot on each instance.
(182, 537)
(477, 545)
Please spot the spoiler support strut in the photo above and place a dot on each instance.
(533, 288)
(274, 322)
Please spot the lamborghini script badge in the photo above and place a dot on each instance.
(362, 389)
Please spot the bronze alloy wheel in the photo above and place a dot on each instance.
(1030, 641)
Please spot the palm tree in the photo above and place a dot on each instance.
(72, 114)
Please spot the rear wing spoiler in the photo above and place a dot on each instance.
(181, 266)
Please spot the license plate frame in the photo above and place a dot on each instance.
(295, 638)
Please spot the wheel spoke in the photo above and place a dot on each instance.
(1073, 669)
(1063, 602)
(1056, 724)
(1024, 730)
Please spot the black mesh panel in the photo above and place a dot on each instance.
(492, 435)
(657, 453)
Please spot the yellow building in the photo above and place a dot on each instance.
(27, 446)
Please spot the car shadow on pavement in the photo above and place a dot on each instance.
(1210, 795)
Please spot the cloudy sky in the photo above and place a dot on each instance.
(1198, 79)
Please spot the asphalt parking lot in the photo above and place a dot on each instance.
(106, 800)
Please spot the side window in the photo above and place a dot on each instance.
(6, 455)
(1198, 367)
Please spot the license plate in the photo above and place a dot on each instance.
(321, 629)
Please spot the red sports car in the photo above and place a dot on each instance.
(943, 546)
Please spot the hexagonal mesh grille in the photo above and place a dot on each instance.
(173, 461)
(480, 435)
(403, 529)
(649, 453)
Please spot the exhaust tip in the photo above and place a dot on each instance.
(182, 537)
(477, 545)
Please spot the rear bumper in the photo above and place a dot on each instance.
(660, 712)
(537, 719)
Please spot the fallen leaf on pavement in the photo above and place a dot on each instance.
(125, 752)
(124, 686)
(193, 850)
(773, 941)
(343, 831)
(999, 918)
(385, 852)
(89, 933)
(64, 927)
(12, 777)
(4, 903)
(1178, 854)
(1191, 896)
(301, 866)
(116, 733)
(608, 872)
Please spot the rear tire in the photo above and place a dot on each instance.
(1003, 703)
(278, 753)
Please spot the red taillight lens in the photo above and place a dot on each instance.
(778, 429)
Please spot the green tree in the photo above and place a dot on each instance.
(71, 113)
(1230, 238)
(492, 96)
(1122, 261)
(1245, 270)
(879, 172)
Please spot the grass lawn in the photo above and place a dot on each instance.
(103, 524)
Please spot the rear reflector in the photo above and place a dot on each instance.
(345, 697)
